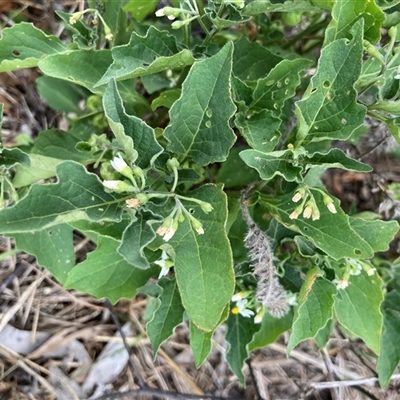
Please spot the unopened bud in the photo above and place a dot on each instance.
(206, 207)
(119, 186)
(307, 211)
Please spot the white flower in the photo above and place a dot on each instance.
(165, 263)
(238, 296)
(112, 185)
(341, 283)
(242, 310)
(119, 164)
(160, 12)
(167, 229)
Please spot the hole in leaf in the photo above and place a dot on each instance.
(326, 84)
(279, 84)
(344, 121)
(305, 229)
(287, 80)
(16, 53)
(191, 210)
(313, 90)
(208, 124)
(50, 233)
(357, 251)
(274, 94)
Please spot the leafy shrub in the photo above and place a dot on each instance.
(199, 149)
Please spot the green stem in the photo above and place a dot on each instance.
(183, 76)
(308, 31)
(175, 171)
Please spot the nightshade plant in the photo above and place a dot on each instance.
(194, 165)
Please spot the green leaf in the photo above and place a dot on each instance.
(23, 45)
(322, 337)
(345, 14)
(315, 308)
(167, 316)
(279, 85)
(201, 344)
(378, 234)
(260, 130)
(271, 164)
(389, 356)
(336, 158)
(135, 137)
(82, 36)
(65, 98)
(243, 175)
(261, 6)
(203, 263)
(78, 195)
(328, 109)
(140, 9)
(11, 157)
(41, 167)
(106, 274)
(52, 247)
(242, 94)
(358, 308)
(83, 67)
(136, 237)
(232, 17)
(116, 19)
(270, 330)
(386, 4)
(166, 99)
(251, 61)
(110, 229)
(199, 120)
(61, 144)
(144, 55)
(240, 331)
(332, 233)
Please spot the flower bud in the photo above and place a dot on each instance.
(328, 201)
(206, 207)
(197, 225)
(121, 166)
(119, 186)
(296, 212)
(173, 164)
(307, 211)
(297, 197)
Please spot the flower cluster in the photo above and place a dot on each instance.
(353, 267)
(133, 174)
(75, 17)
(170, 224)
(308, 207)
(136, 186)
